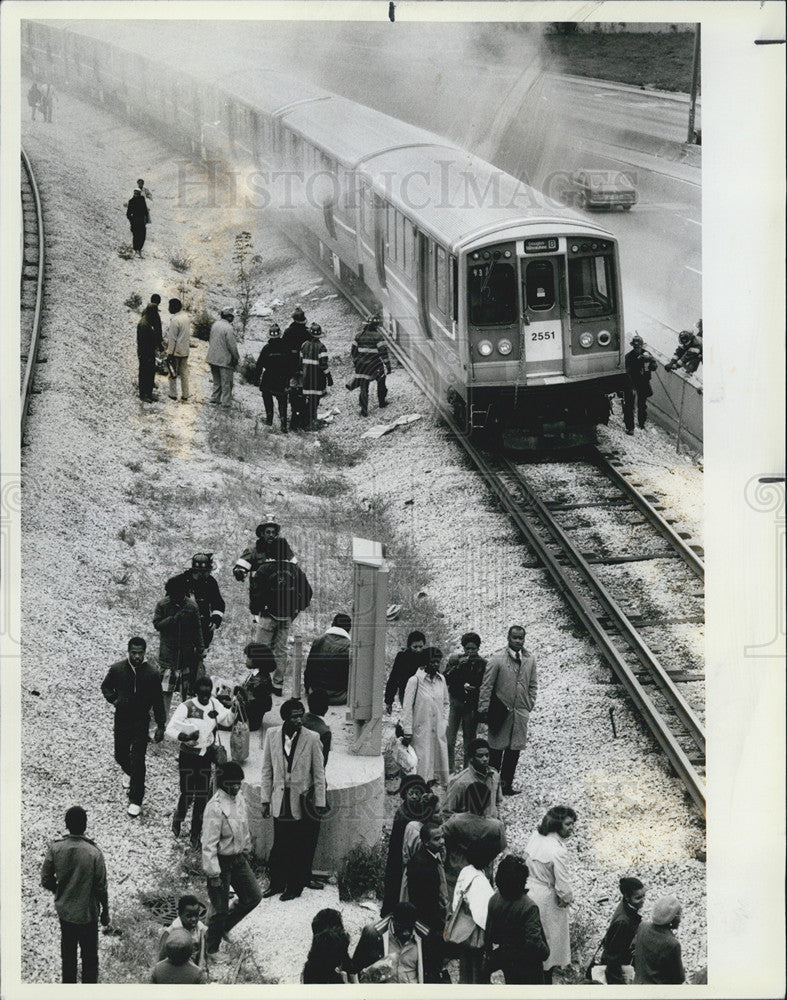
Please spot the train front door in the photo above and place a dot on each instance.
(542, 281)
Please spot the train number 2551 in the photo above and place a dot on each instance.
(543, 335)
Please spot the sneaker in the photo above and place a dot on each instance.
(126, 781)
(134, 809)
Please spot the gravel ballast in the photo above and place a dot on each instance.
(118, 496)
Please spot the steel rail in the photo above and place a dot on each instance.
(35, 337)
(686, 553)
(654, 720)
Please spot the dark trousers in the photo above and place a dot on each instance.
(459, 712)
(472, 966)
(194, 774)
(363, 396)
(642, 394)
(523, 972)
(147, 375)
(138, 234)
(433, 947)
(86, 937)
(131, 745)
(235, 872)
(267, 402)
(289, 860)
(505, 761)
(310, 837)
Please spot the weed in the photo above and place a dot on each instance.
(134, 466)
(179, 260)
(127, 535)
(335, 453)
(126, 252)
(248, 272)
(320, 485)
(362, 872)
(134, 301)
(248, 369)
(201, 325)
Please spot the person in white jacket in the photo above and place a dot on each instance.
(476, 889)
(178, 347)
(193, 725)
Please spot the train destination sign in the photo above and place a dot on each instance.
(546, 245)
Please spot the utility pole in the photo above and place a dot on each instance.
(695, 83)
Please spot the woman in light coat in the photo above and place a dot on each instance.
(548, 884)
(424, 718)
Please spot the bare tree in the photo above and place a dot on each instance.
(248, 271)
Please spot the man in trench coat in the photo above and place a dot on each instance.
(511, 676)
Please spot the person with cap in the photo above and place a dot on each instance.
(178, 347)
(463, 674)
(226, 845)
(657, 952)
(411, 790)
(618, 942)
(74, 870)
(688, 353)
(223, 358)
(279, 592)
(292, 790)
(316, 377)
(133, 687)
(139, 219)
(370, 356)
(477, 769)
(255, 692)
(405, 664)
(204, 589)
(506, 698)
(639, 367)
(181, 648)
(269, 538)
(276, 364)
(549, 883)
(149, 342)
(296, 335)
(423, 717)
(328, 662)
(193, 726)
(177, 967)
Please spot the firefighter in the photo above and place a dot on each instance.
(204, 588)
(268, 545)
(370, 356)
(639, 366)
(316, 376)
(275, 366)
(688, 354)
(297, 333)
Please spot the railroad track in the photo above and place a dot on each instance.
(32, 284)
(652, 687)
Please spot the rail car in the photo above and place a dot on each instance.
(510, 309)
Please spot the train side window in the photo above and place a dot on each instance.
(540, 285)
(441, 280)
(453, 276)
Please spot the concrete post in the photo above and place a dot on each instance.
(367, 653)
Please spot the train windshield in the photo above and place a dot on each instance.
(591, 285)
(492, 294)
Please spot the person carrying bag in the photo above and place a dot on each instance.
(466, 926)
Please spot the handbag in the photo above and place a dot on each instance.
(497, 714)
(239, 737)
(218, 751)
(461, 929)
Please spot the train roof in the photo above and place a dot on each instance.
(351, 132)
(461, 199)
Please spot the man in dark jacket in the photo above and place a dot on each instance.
(181, 648)
(657, 952)
(427, 891)
(148, 342)
(138, 217)
(275, 366)
(75, 872)
(314, 720)
(463, 675)
(618, 942)
(204, 588)
(405, 664)
(280, 592)
(133, 687)
(255, 554)
(639, 366)
(328, 662)
(296, 334)
(370, 357)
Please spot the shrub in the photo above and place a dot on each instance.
(320, 485)
(126, 252)
(134, 301)
(362, 872)
(201, 325)
(180, 260)
(247, 368)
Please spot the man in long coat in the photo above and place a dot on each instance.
(275, 365)
(138, 217)
(148, 342)
(511, 676)
(181, 648)
(293, 782)
(178, 348)
(223, 358)
(423, 717)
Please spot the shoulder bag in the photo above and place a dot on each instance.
(461, 929)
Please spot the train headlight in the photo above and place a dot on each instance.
(504, 346)
(485, 348)
(604, 337)
(586, 339)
